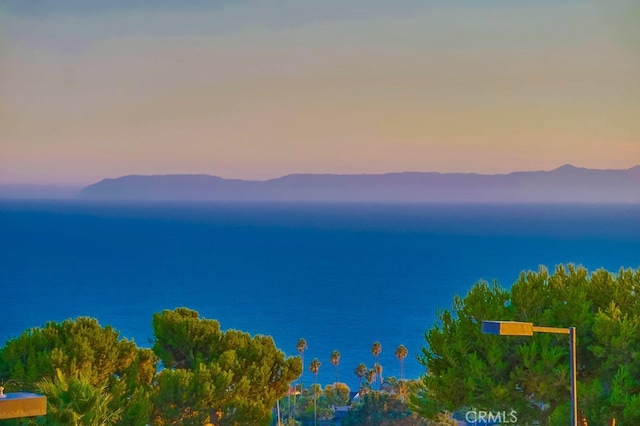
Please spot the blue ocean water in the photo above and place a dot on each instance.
(339, 275)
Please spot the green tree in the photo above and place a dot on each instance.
(615, 389)
(81, 352)
(314, 367)
(382, 409)
(214, 376)
(401, 354)
(531, 374)
(337, 395)
(335, 360)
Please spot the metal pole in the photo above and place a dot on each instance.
(574, 368)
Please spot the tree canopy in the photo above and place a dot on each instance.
(382, 409)
(92, 377)
(222, 377)
(530, 375)
(80, 353)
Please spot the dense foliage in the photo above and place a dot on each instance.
(209, 376)
(92, 377)
(222, 377)
(333, 405)
(85, 356)
(531, 374)
(382, 409)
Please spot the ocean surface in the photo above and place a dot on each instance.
(342, 276)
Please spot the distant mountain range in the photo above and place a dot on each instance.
(566, 184)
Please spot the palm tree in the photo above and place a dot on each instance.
(378, 369)
(401, 354)
(314, 367)
(335, 360)
(370, 375)
(360, 371)
(376, 348)
(301, 346)
(74, 400)
(403, 390)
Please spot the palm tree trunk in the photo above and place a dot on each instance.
(315, 402)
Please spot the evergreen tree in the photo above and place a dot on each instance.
(78, 354)
(531, 374)
(214, 376)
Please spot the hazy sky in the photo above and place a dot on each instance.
(259, 89)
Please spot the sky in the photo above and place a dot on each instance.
(255, 90)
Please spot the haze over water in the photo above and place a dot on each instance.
(340, 275)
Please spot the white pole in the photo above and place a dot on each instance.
(278, 407)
